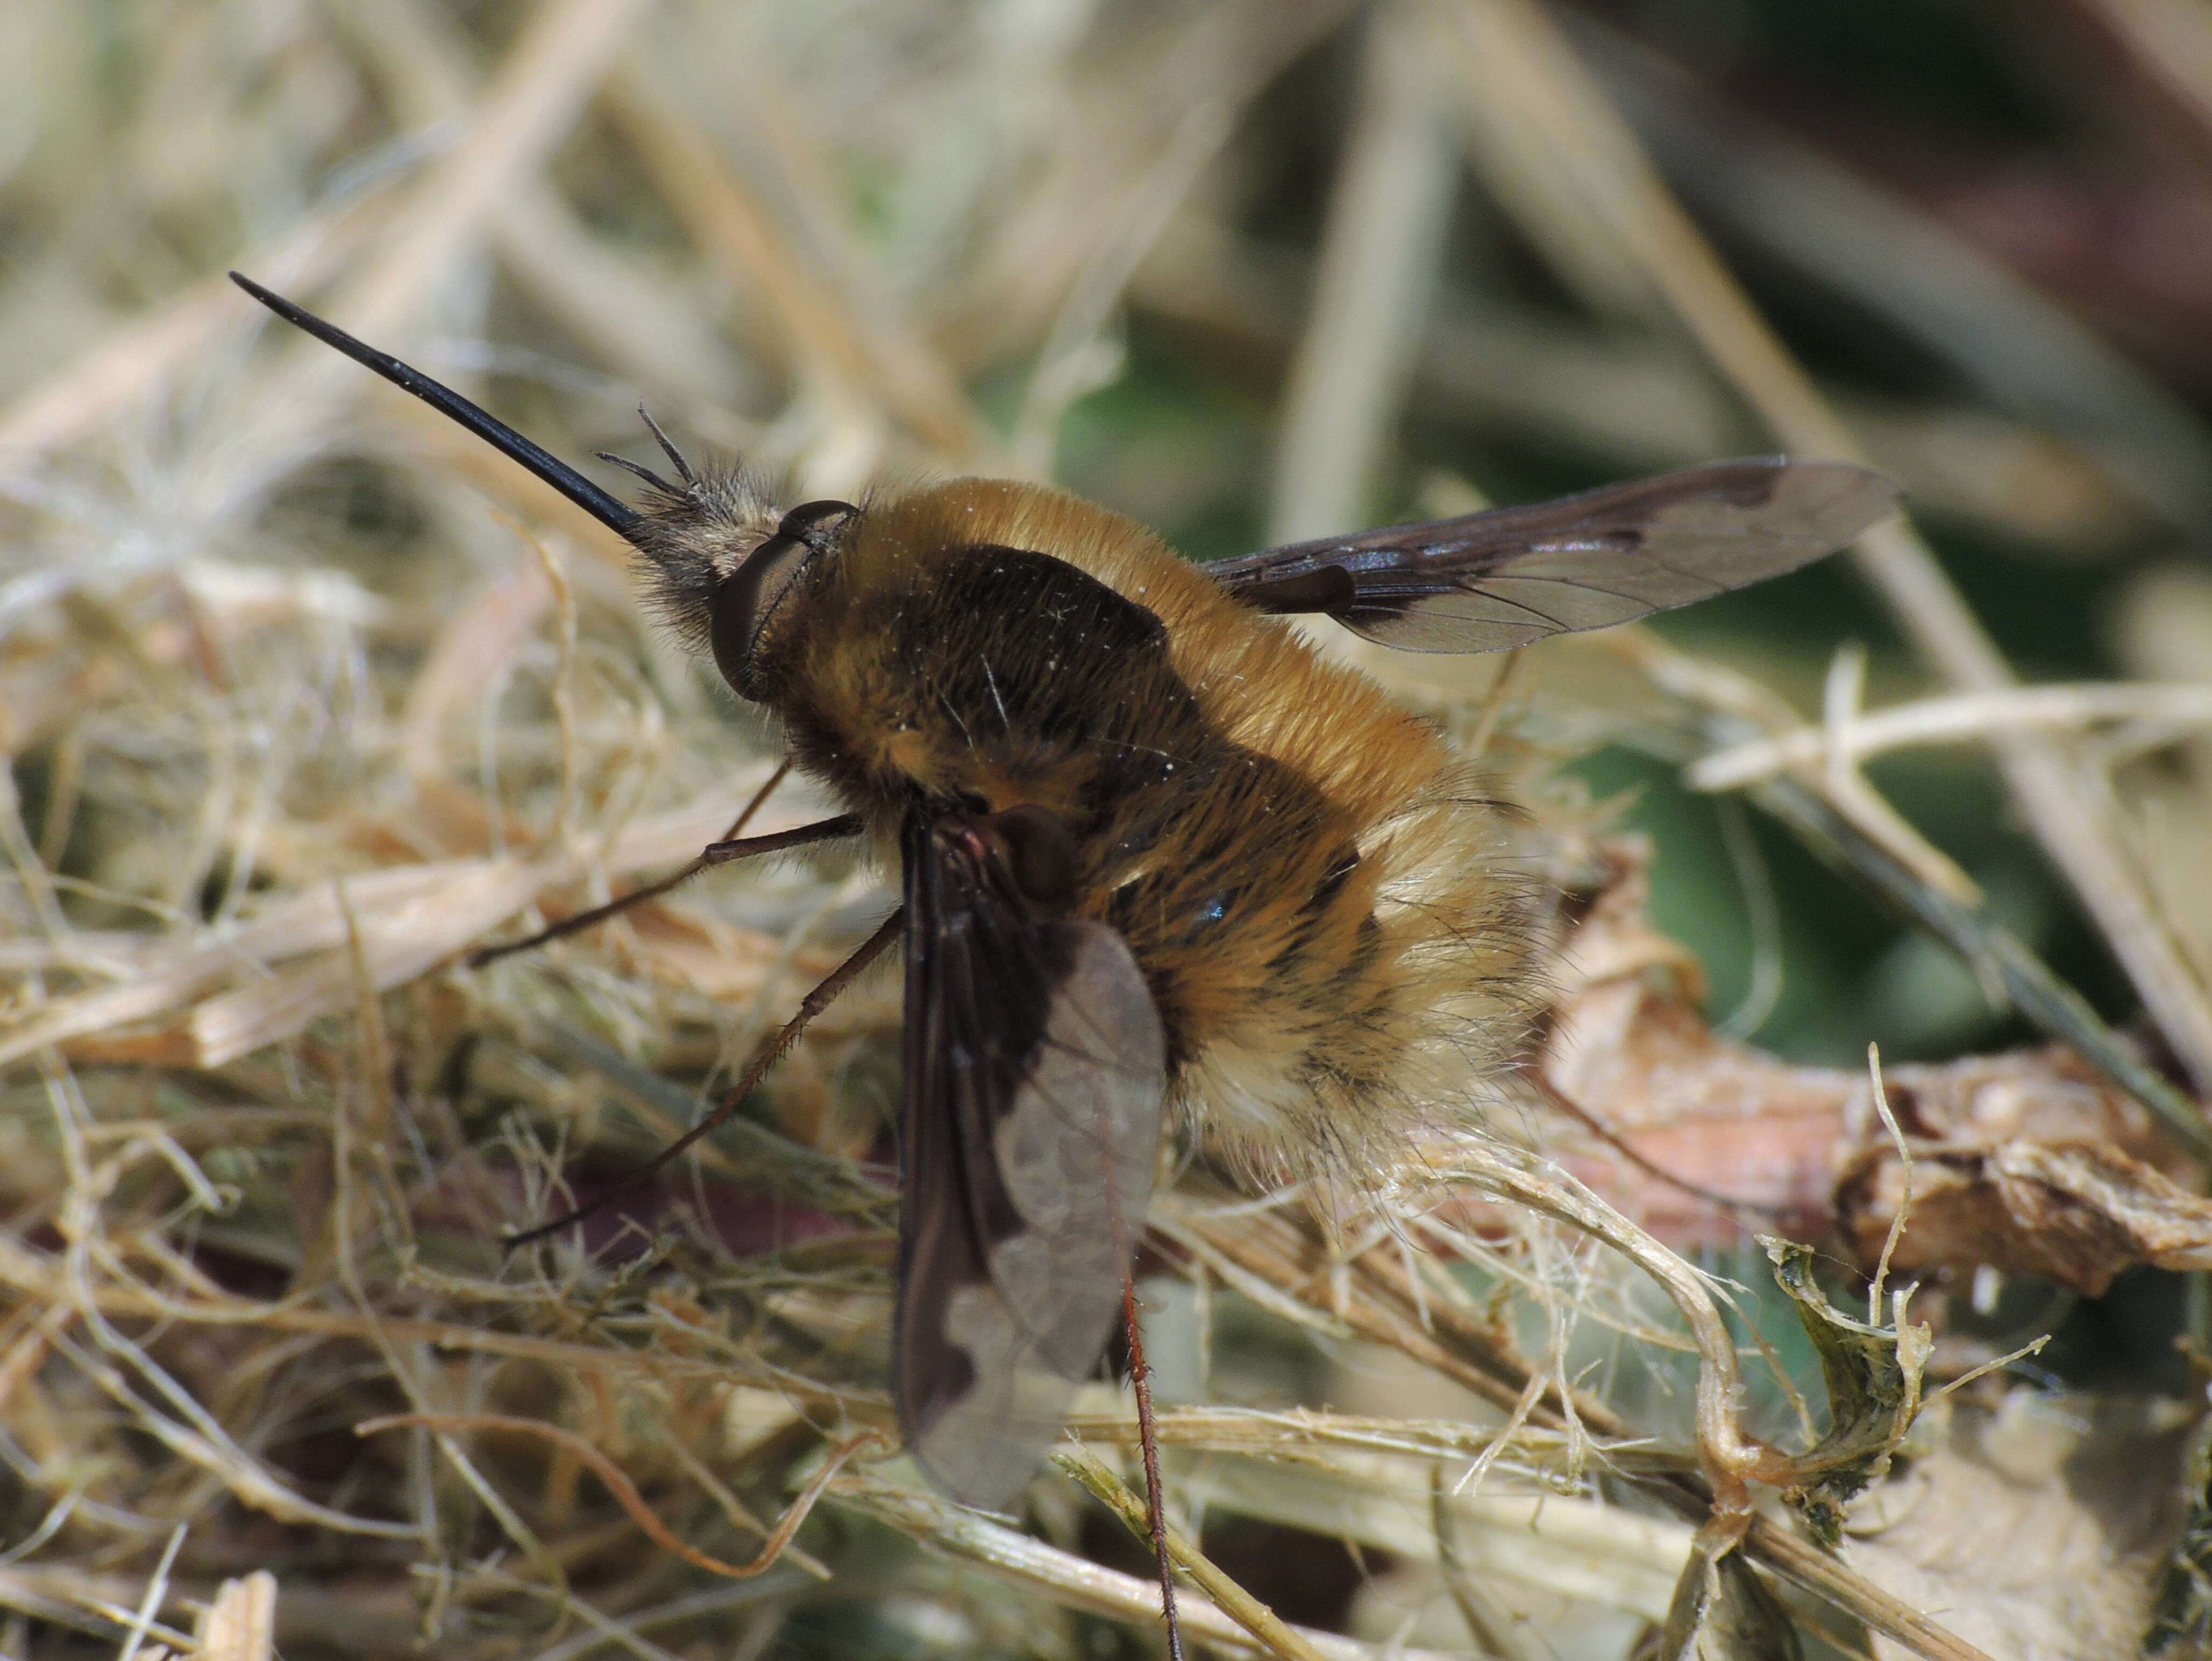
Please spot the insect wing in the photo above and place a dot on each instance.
(1487, 581)
(1035, 1068)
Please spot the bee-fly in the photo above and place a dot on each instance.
(1161, 861)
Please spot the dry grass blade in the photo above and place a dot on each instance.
(1270, 1631)
(731, 222)
(241, 1625)
(1475, 1355)
(771, 132)
(1075, 1580)
(1511, 372)
(2165, 712)
(125, 367)
(527, 109)
(1580, 1549)
(1076, 359)
(1993, 952)
(417, 917)
(549, 74)
(1307, 1434)
(2026, 353)
(2169, 48)
(223, 1459)
(617, 301)
(625, 1491)
(1371, 289)
(25, 1273)
(2027, 980)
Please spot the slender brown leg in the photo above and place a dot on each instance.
(600, 913)
(765, 1057)
(798, 836)
(1155, 1508)
(717, 853)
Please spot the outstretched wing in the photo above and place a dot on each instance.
(1487, 581)
(1035, 1068)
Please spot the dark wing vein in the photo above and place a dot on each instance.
(1603, 557)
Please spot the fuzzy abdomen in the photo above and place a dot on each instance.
(1314, 891)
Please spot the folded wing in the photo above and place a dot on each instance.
(1035, 1068)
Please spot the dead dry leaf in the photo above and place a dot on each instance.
(2026, 1160)
(2076, 1213)
(2038, 1529)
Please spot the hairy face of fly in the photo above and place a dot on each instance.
(723, 567)
(752, 601)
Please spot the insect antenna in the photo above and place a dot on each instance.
(618, 516)
(640, 471)
(668, 447)
(763, 1058)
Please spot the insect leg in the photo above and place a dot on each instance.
(1141, 1376)
(600, 913)
(1155, 1508)
(763, 1058)
(716, 853)
(800, 836)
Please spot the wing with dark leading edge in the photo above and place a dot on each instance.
(1035, 1068)
(1487, 581)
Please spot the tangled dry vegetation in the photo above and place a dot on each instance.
(307, 697)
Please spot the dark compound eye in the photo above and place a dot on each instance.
(749, 595)
(816, 523)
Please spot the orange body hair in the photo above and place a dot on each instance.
(1318, 892)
